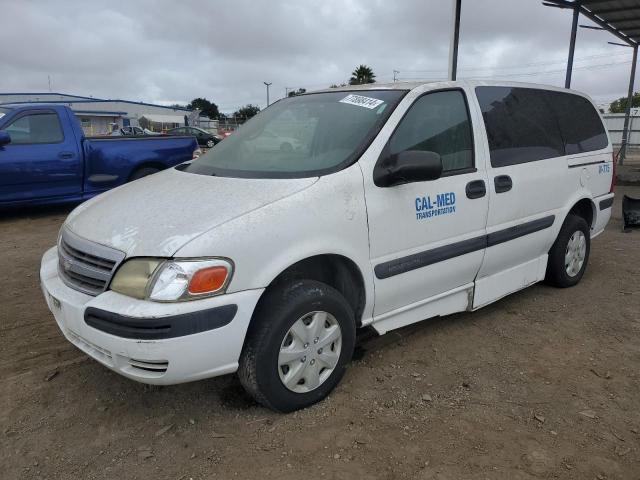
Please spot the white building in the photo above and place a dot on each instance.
(96, 115)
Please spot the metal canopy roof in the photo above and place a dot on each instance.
(621, 15)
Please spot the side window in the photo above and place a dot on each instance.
(580, 124)
(521, 126)
(35, 128)
(437, 122)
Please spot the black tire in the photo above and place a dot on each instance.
(276, 313)
(210, 143)
(143, 172)
(556, 269)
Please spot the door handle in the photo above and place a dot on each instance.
(502, 183)
(476, 189)
(66, 155)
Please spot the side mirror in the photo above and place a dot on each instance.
(406, 167)
(5, 138)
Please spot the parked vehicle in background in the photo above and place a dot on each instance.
(46, 158)
(204, 138)
(133, 132)
(127, 131)
(272, 142)
(402, 202)
(148, 132)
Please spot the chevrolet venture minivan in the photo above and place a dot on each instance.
(394, 204)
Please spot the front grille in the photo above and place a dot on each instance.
(84, 265)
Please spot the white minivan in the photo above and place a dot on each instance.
(394, 204)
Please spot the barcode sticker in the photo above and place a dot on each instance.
(362, 101)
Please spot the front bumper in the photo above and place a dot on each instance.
(182, 357)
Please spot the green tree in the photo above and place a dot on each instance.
(294, 93)
(246, 112)
(207, 108)
(620, 105)
(362, 75)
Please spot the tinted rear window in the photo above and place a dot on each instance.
(520, 125)
(580, 124)
(527, 124)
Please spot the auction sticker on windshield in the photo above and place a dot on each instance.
(362, 101)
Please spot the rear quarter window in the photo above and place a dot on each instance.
(521, 127)
(579, 122)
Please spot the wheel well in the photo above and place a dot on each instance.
(336, 271)
(584, 208)
(157, 165)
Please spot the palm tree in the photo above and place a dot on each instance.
(362, 75)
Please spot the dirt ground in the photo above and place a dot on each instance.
(542, 384)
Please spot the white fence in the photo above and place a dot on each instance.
(615, 123)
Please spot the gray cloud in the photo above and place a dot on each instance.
(174, 51)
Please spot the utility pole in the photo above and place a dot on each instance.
(395, 72)
(49, 80)
(267, 85)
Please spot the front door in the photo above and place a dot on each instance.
(427, 238)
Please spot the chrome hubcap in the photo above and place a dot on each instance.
(309, 352)
(575, 254)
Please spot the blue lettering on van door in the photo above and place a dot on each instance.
(604, 168)
(441, 204)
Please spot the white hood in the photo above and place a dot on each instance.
(157, 215)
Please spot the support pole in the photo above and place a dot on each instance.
(627, 113)
(572, 45)
(455, 35)
(267, 84)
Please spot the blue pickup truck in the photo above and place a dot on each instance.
(45, 157)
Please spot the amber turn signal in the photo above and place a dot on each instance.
(208, 280)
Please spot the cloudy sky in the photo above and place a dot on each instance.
(172, 51)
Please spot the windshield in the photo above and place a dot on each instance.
(302, 136)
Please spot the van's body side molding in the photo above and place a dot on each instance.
(518, 231)
(440, 254)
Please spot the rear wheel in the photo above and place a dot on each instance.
(143, 172)
(210, 143)
(569, 254)
(298, 345)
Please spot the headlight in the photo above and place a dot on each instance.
(164, 280)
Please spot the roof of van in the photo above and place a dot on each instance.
(443, 84)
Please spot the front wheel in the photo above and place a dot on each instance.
(569, 254)
(298, 345)
(210, 143)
